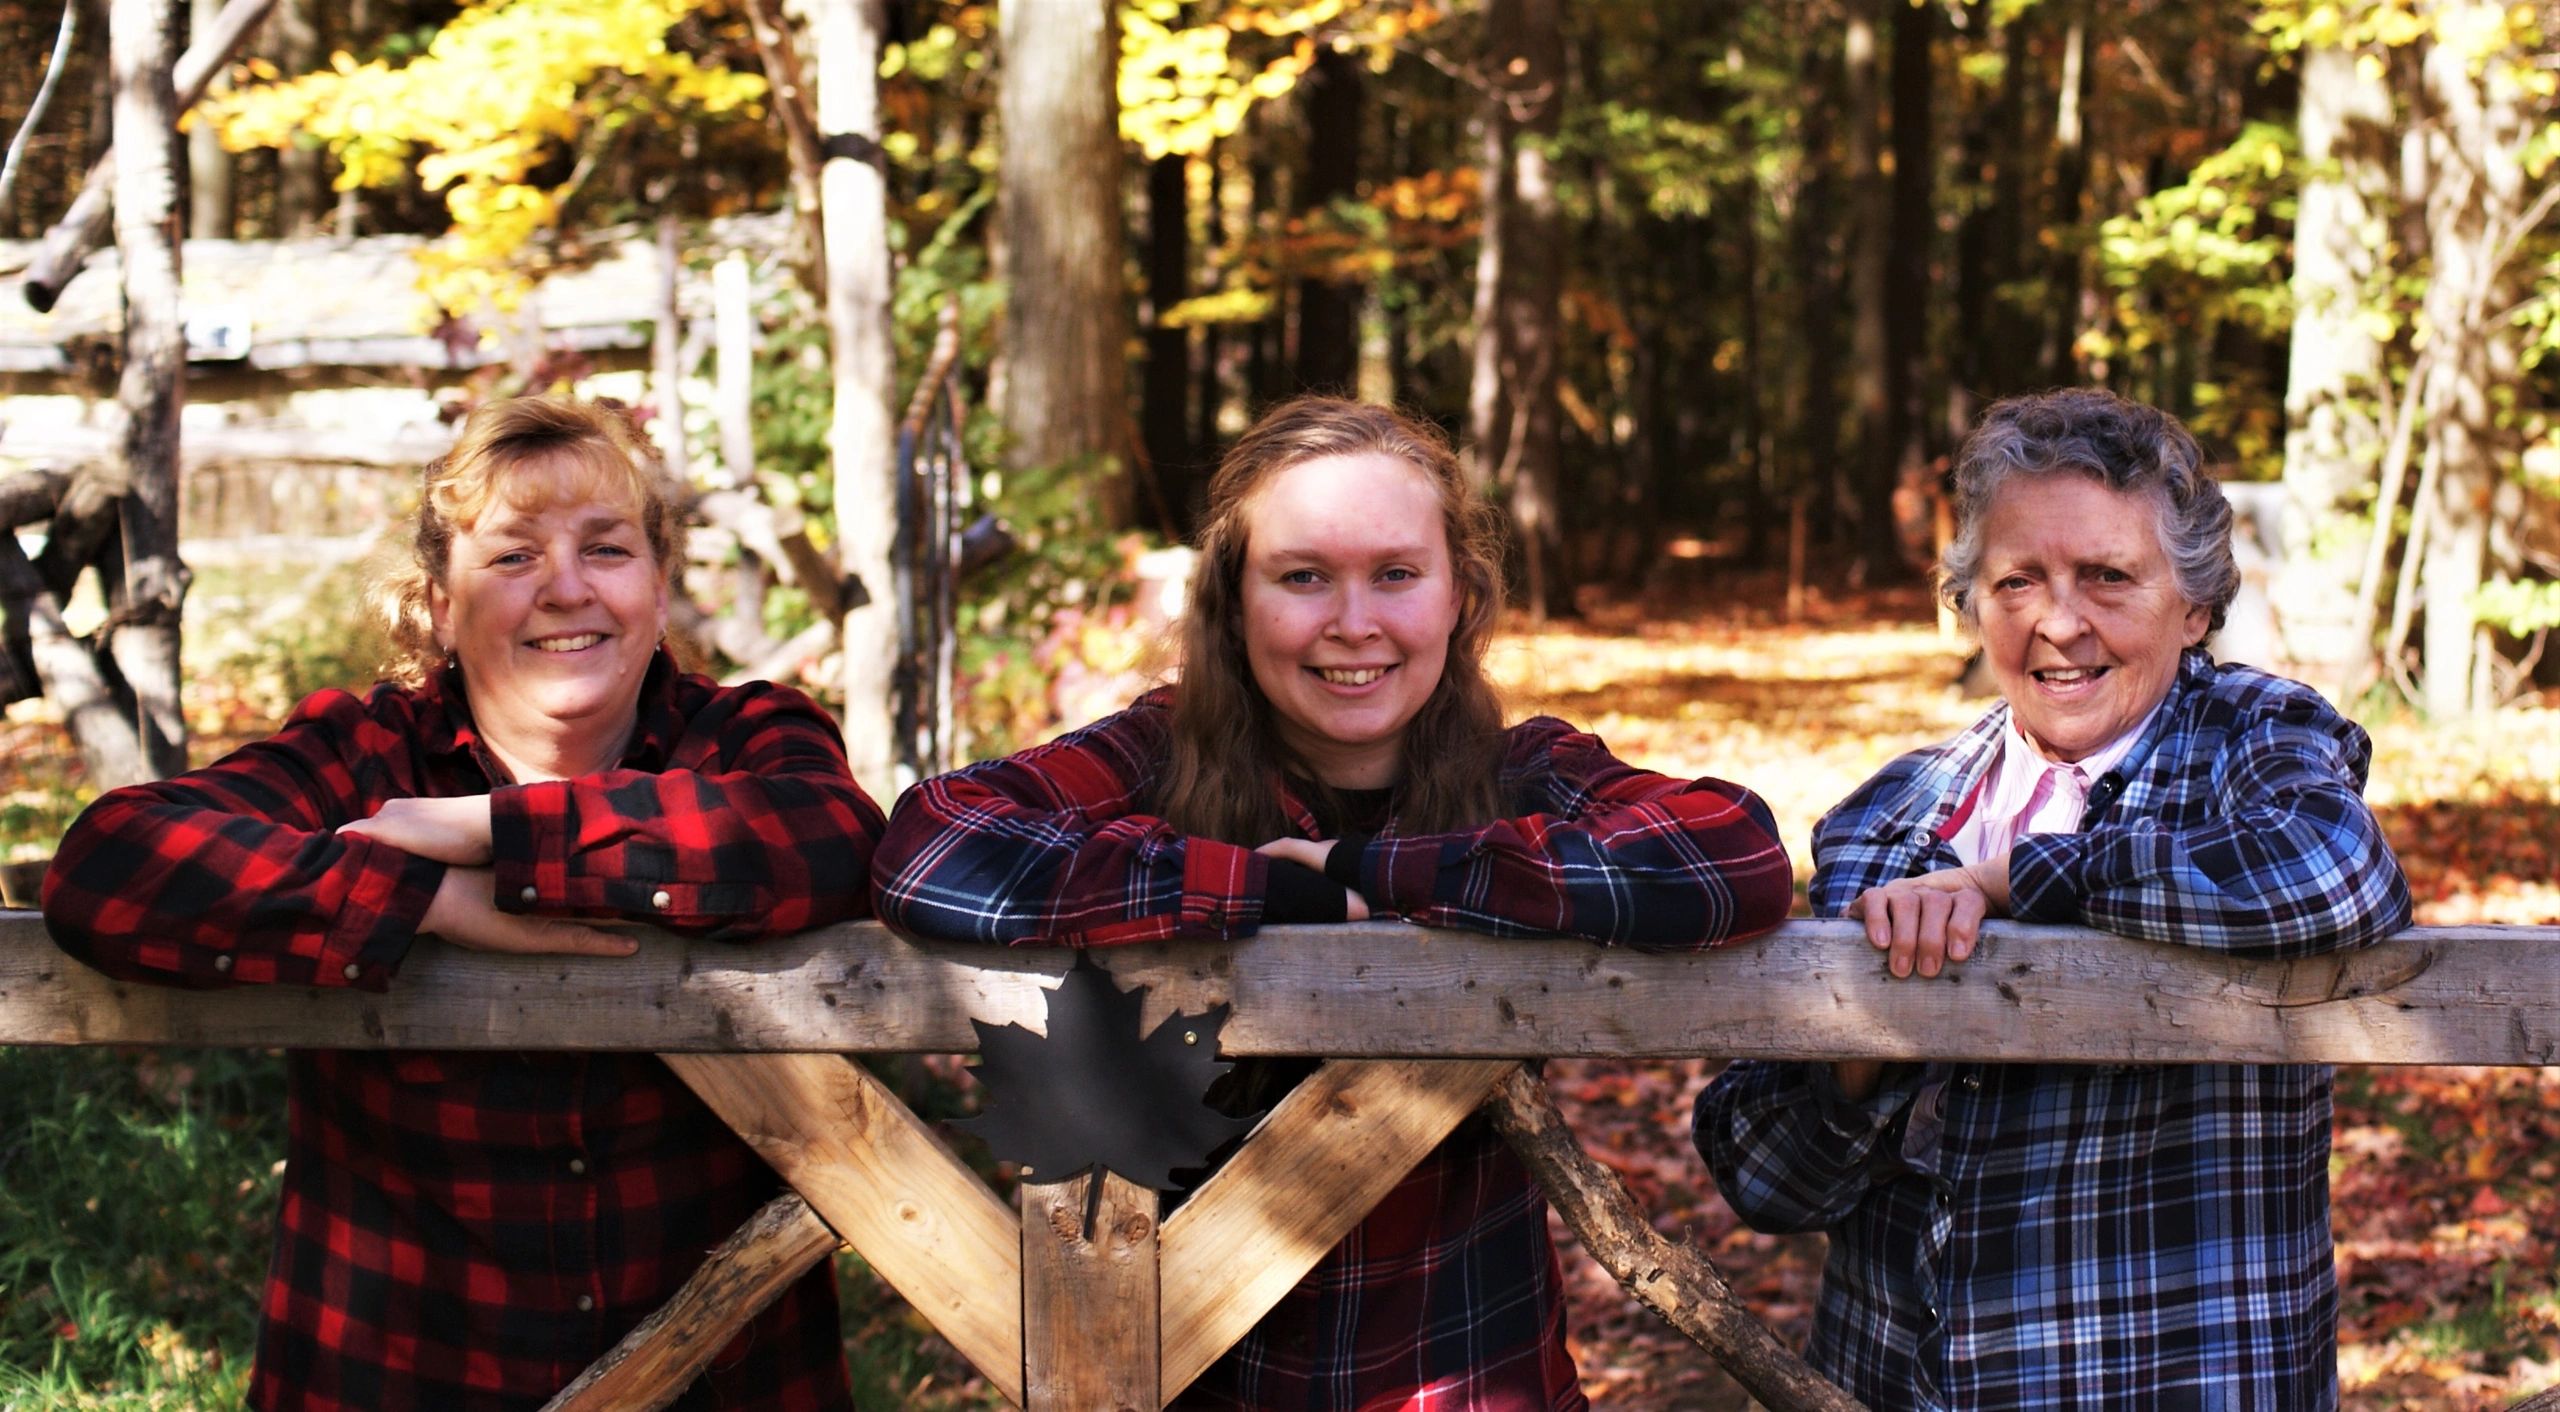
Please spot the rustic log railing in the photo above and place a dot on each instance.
(1421, 1026)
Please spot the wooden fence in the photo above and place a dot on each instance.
(1420, 1026)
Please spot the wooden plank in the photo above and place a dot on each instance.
(1811, 989)
(1340, 1141)
(1089, 1304)
(925, 1222)
(660, 1358)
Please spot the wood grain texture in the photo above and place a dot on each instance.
(1341, 1140)
(1089, 1305)
(661, 1356)
(925, 1222)
(1811, 989)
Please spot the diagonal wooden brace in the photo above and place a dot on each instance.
(659, 1359)
(881, 1178)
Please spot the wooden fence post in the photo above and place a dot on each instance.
(1089, 1296)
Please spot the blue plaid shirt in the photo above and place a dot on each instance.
(2059, 1236)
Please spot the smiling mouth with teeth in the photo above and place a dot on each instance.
(2069, 676)
(577, 643)
(1349, 676)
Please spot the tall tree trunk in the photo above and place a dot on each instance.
(147, 602)
(1516, 420)
(300, 177)
(2334, 382)
(1329, 308)
(1870, 238)
(1058, 177)
(863, 430)
(2474, 216)
(1813, 222)
(1165, 390)
(208, 166)
(1211, 392)
(2010, 343)
(2065, 269)
(1907, 255)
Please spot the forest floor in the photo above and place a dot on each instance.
(2447, 1207)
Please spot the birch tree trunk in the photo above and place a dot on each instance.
(1058, 180)
(2334, 381)
(863, 433)
(2474, 211)
(146, 600)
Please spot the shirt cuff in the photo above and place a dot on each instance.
(1343, 863)
(1294, 892)
(1861, 1118)
(2042, 869)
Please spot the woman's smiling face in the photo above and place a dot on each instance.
(553, 605)
(1347, 605)
(2081, 615)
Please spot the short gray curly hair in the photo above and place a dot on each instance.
(2123, 445)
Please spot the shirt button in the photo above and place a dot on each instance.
(529, 894)
(1973, 1083)
(222, 963)
(353, 970)
(578, 1166)
(586, 1303)
(661, 900)
(1921, 837)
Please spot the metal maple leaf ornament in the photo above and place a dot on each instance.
(1091, 1094)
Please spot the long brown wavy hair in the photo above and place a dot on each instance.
(1226, 750)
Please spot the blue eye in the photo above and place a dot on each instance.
(1301, 577)
(1398, 576)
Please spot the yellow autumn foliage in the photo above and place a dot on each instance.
(499, 90)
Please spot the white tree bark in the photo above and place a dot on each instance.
(2334, 382)
(863, 434)
(153, 383)
(2474, 216)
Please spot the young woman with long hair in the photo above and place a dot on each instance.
(1332, 750)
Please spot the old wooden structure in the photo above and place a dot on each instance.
(1418, 1026)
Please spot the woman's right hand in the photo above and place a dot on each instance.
(465, 913)
(1310, 853)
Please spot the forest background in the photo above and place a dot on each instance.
(1709, 292)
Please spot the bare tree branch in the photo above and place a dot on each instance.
(1673, 1280)
(62, 39)
(83, 228)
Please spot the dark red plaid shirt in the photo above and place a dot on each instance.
(471, 1230)
(1447, 1295)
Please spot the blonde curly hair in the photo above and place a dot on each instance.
(615, 466)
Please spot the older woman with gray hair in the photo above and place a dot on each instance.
(2052, 1235)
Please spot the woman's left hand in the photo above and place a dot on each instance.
(1923, 923)
(454, 830)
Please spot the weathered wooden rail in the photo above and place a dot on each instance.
(1419, 1026)
(1811, 989)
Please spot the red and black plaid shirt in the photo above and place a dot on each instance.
(1447, 1295)
(471, 1230)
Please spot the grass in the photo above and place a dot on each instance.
(138, 1193)
(134, 1217)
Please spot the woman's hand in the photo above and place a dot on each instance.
(1308, 853)
(454, 830)
(465, 913)
(1925, 922)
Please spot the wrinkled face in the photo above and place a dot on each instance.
(1348, 602)
(2082, 621)
(552, 603)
